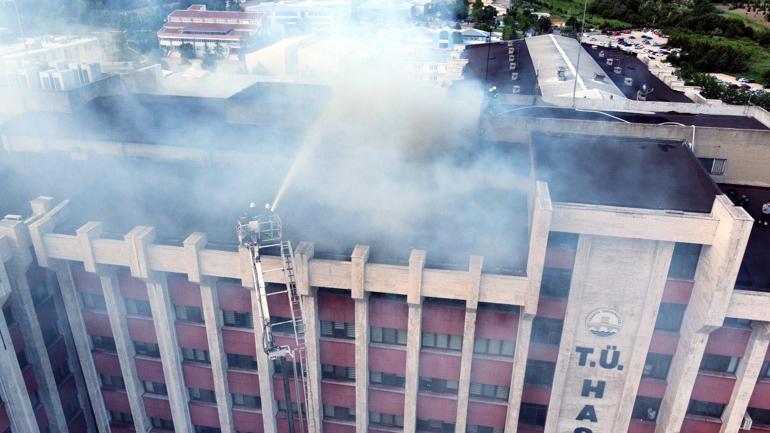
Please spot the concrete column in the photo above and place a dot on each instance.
(649, 313)
(12, 386)
(264, 365)
(747, 375)
(358, 292)
(25, 313)
(523, 335)
(82, 345)
(715, 279)
(302, 256)
(116, 309)
(138, 241)
(413, 337)
(469, 337)
(693, 338)
(213, 318)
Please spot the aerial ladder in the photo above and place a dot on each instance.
(260, 233)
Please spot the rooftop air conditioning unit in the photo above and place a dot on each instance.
(628, 81)
(516, 89)
(610, 61)
(618, 70)
(514, 76)
(747, 422)
(511, 58)
(512, 66)
(510, 50)
(510, 43)
(601, 54)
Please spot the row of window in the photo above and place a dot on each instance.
(646, 408)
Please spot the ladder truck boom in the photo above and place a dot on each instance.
(258, 233)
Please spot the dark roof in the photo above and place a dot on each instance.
(636, 69)
(754, 273)
(621, 171)
(704, 120)
(154, 119)
(498, 72)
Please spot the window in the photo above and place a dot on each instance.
(237, 319)
(759, 416)
(473, 428)
(188, 314)
(338, 329)
(386, 419)
(705, 408)
(71, 408)
(546, 331)
(539, 372)
(562, 240)
(34, 398)
(118, 417)
(195, 355)
(93, 301)
(435, 426)
(154, 387)
(206, 429)
(110, 381)
(646, 408)
(21, 357)
(293, 367)
(483, 390)
(138, 307)
(489, 346)
(731, 322)
(387, 379)
(337, 372)
(387, 336)
(684, 261)
(147, 349)
(103, 343)
(670, 317)
(715, 166)
(340, 413)
(441, 386)
(39, 292)
(432, 340)
(764, 373)
(282, 406)
(247, 401)
(282, 325)
(555, 282)
(719, 363)
(204, 395)
(246, 362)
(61, 372)
(533, 414)
(8, 313)
(161, 423)
(50, 334)
(656, 366)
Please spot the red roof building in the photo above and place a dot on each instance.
(206, 30)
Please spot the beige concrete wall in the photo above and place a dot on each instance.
(617, 284)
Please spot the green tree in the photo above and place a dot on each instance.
(459, 10)
(187, 51)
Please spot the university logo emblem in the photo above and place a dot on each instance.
(604, 322)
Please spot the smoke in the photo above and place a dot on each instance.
(384, 160)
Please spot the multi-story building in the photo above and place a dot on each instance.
(616, 289)
(208, 31)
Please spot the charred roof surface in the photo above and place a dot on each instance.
(622, 171)
(754, 273)
(491, 62)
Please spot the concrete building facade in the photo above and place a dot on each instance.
(625, 319)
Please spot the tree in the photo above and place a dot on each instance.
(187, 51)
(544, 25)
(484, 15)
(459, 10)
(476, 9)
